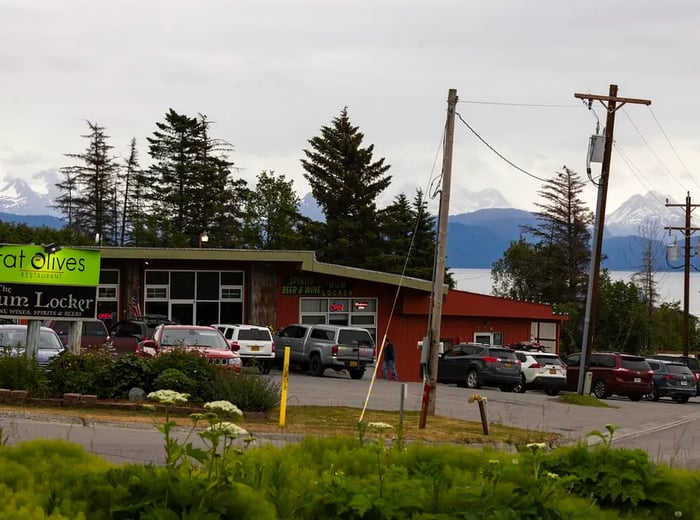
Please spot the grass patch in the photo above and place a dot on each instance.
(583, 400)
(325, 420)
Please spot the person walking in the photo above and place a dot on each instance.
(389, 361)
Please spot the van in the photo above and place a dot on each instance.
(613, 373)
(94, 332)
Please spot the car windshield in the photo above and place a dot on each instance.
(201, 338)
(254, 334)
(674, 368)
(354, 337)
(547, 360)
(17, 338)
(638, 364)
(502, 353)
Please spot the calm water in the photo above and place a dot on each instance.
(669, 284)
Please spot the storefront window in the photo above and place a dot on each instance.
(357, 312)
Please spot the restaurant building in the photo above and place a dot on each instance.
(276, 288)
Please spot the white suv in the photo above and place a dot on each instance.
(541, 371)
(255, 344)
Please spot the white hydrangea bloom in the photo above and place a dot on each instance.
(223, 407)
(168, 397)
(228, 428)
(379, 426)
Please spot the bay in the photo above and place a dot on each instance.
(670, 284)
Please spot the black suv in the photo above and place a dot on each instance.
(671, 379)
(126, 334)
(613, 373)
(690, 361)
(473, 365)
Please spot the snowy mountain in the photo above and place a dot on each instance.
(16, 196)
(639, 212)
(463, 200)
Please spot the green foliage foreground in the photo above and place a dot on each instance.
(320, 478)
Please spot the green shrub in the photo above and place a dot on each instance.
(84, 373)
(19, 372)
(249, 391)
(192, 364)
(128, 372)
(173, 379)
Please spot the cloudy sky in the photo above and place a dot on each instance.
(270, 73)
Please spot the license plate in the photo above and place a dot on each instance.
(684, 383)
(552, 370)
(255, 348)
(352, 363)
(637, 379)
(507, 365)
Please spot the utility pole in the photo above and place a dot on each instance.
(429, 390)
(594, 274)
(687, 231)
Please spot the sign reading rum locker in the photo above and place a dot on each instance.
(46, 301)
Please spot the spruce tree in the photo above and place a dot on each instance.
(87, 194)
(346, 181)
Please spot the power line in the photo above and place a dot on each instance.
(498, 153)
(673, 148)
(637, 172)
(533, 105)
(651, 149)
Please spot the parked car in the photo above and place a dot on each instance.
(207, 340)
(671, 379)
(94, 333)
(613, 373)
(474, 365)
(126, 334)
(540, 371)
(13, 340)
(318, 347)
(690, 361)
(256, 346)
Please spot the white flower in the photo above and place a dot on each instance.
(536, 446)
(168, 397)
(551, 475)
(223, 407)
(379, 426)
(229, 429)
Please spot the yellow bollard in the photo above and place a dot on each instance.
(285, 386)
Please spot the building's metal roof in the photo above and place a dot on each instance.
(307, 259)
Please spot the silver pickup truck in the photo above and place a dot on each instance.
(318, 347)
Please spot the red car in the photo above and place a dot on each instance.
(207, 340)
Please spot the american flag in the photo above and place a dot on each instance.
(135, 307)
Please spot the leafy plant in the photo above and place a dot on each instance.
(250, 391)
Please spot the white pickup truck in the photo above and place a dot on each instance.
(318, 347)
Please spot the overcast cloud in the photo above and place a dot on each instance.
(269, 74)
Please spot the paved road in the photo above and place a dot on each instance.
(668, 431)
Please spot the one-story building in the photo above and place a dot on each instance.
(276, 288)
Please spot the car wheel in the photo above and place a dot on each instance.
(599, 389)
(356, 373)
(315, 366)
(520, 387)
(473, 379)
(681, 399)
(552, 392)
(635, 397)
(654, 395)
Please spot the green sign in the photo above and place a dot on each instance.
(37, 265)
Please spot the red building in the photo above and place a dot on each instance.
(277, 288)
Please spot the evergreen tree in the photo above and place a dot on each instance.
(562, 238)
(192, 189)
(134, 185)
(271, 217)
(87, 193)
(345, 181)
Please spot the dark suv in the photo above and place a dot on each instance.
(613, 373)
(94, 333)
(671, 379)
(126, 334)
(690, 361)
(473, 365)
